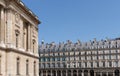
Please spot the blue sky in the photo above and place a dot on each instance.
(76, 19)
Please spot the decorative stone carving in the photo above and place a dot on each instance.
(17, 19)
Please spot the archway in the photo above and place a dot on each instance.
(91, 72)
(54, 73)
(63, 73)
(110, 74)
(49, 73)
(74, 73)
(69, 72)
(104, 74)
(79, 72)
(97, 74)
(85, 72)
(116, 72)
(44, 73)
(58, 73)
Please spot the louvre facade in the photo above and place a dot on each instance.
(18, 40)
(92, 58)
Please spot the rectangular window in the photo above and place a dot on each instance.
(110, 64)
(33, 46)
(34, 68)
(27, 67)
(24, 40)
(58, 64)
(85, 64)
(79, 64)
(103, 64)
(16, 40)
(18, 66)
(116, 63)
(92, 64)
(97, 64)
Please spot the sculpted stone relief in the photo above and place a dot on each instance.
(17, 19)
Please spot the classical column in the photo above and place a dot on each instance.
(100, 73)
(29, 38)
(82, 73)
(106, 73)
(113, 73)
(94, 73)
(2, 23)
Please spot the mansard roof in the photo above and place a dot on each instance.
(69, 46)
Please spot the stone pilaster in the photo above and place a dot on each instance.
(29, 38)
(94, 73)
(2, 28)
(9, 28)
(113, 73)
(82, 73)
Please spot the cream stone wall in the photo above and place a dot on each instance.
(18, 39)
(12, 64)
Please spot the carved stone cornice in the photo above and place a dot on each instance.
(7, 2)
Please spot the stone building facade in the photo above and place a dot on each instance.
(93, 58)
(18, 40)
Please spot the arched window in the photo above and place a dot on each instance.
(85, 72)
(79, 72)
(74, 73)
(91, 72)
(63, 73)
(69, 72)
(116, 72)
(58, 73)
(18, 66)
